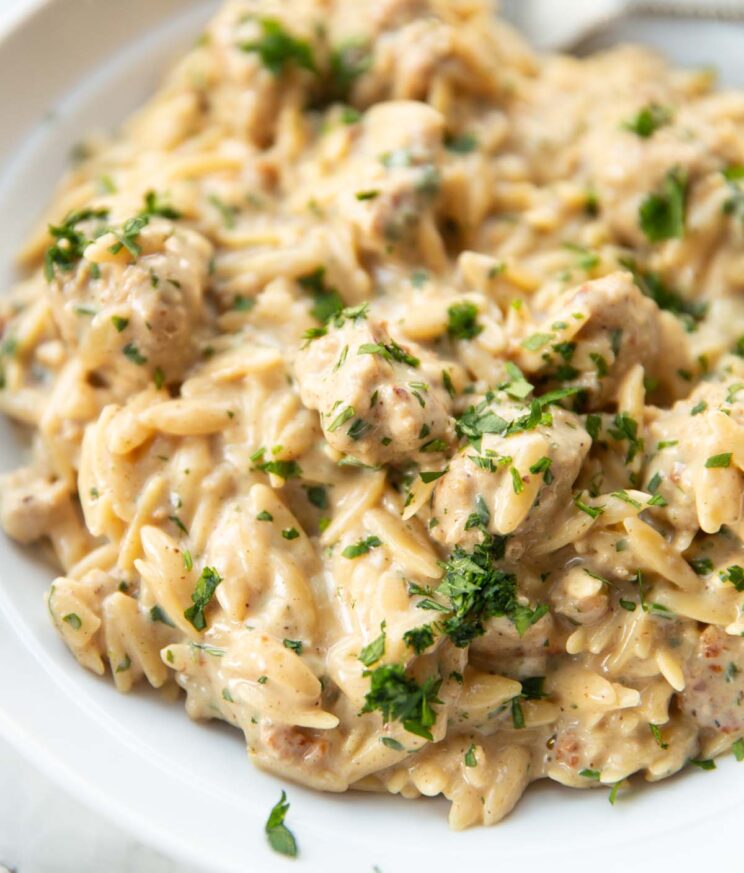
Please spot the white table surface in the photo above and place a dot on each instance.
(42, 830)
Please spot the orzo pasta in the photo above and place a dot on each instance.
(386, 384)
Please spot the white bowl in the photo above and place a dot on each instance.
(70, 67)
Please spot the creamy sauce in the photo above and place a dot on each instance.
(386, 385)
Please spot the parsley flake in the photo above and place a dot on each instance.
(662, 215)
(203, 593)
(372, 653)
(278, 49)
(281, 839)
(649, 120)
(463, 321)
(398, 697)
(361, 548)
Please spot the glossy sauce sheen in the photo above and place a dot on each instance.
(386, 384)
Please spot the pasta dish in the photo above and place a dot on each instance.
(385, 385)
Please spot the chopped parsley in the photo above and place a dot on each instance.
(702, 566)
(278, 49)
(284, 469)
(127, 237)
(690, 312)
(626, 428)
(704, 764)
(132, 353)
(662, 215)
(419, 638)
(280, 838)
(119, 323)
(349, 115)
(362, 547)
(476, 591)
(649, 120)
(479, 420)
(723, 460)
(228, 214)
(70, 241)
(461, 144)
(593, 426)
(738, 749)
(243, 304)
(533, 688)
(203, 593)
(517, 481)
(428, 476)
(656, 733)
(626, 498)
(294, 645)
(398, 697)
(470, 758)
(592, 511)
(600, 362)
(348, 62)
(264, 515)
(158, 614)
(327, 302)
(390, 352)
(734, 204)
(73, 619)
(434, 446)
(358, 429)
(517, 713)
(536, 341)
(698, 408)
(517, 387)
(586, 258)
(657, 500)
(291, 533)
(372, 653)
(543, 466)
(343, 416)
(179, 524)
(654, 482)
(735, 575)
(463, 321)
(153, 206)
(318, 496)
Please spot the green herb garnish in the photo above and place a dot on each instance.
(278, 49)
(372, 653)
(362, 547)
(281, 839)
(398, 697)
(203, 593)
(649, 120)
(463, 321)
(662, 215)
